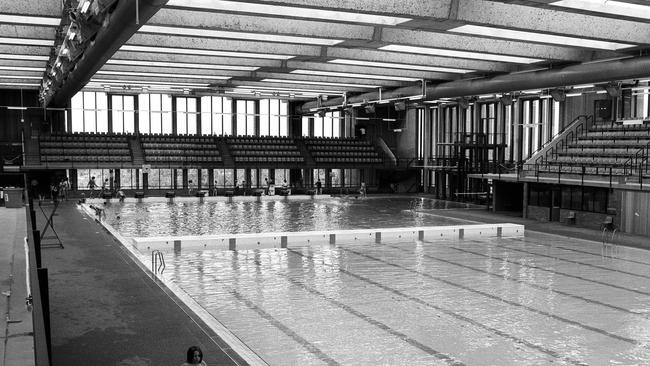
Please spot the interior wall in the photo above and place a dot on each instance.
(635, 212)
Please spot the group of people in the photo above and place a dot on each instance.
(105, 189)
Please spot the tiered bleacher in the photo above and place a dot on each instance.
(264, 150)
(180, 150)
(82, 148)
(605, 149)
(342, 151)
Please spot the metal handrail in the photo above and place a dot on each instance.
(157, 262)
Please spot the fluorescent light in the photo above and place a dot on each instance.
(24, 57)
(22, 68)
(352, 75)
(144, 82)
(159, 75)
(289, 11)
(27, 41)
(85, 6)
(399, 66)
(584, 86)
(317, 83)
(537, 91)
(197, 51)
(601, 92)
(608, 7)
(545, 96)
(538, 37)
(461, 54)
(31, 20)
(17, 108)
(19, 84)
(264, 37)
(181, 65)
(573, 94)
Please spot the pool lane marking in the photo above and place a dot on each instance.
(449, 312)
(494, 297)
(534, 242)
(640, 292)
(533, 285)
(402, 336)
(285, 329)
(573, 261)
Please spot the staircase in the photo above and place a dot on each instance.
(309, 160)
(136, 151)
(226, 155)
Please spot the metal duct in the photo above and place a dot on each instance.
(121, 27)
(590, 73)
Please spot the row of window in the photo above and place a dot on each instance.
(590, 199)
(200, 178)
(162, 113)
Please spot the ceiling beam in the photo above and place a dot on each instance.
(121, 27)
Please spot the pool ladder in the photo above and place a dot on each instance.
(157, 262)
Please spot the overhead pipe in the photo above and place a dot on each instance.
(587, 73)
(125, 20)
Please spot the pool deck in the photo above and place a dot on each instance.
(105, 310)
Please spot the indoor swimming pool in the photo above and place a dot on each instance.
(273, 214)
(535, 300)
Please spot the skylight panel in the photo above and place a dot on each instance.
(607, 7)
(162, 75)
(352, 75)
(264, 37)
(197, 51)
(20, 77)
(306, 82)
(539, 37)
(29, 20)
(267, 88)
(181, 65)
(284, 11)
(399, 66)
(461, 54)
(145, 82)
(27, 41)
(22, 68)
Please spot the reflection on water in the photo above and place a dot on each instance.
(196, 218)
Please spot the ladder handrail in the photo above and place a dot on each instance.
(157, 262)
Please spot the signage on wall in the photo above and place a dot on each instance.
(146, 168)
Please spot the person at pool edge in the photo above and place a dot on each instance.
(319, 187)
(194, 357)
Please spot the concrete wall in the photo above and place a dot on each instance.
(634, 212)
(539, 213)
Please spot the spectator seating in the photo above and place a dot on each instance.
(180, 150)
(264, 150)
(342, 151)
(85, 148)
(603, 150)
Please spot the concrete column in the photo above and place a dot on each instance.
(524, 209)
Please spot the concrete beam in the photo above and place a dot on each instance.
(260, 24)
(425, 60)
(27, 31)
(223, 44)
(330, 79)
(170, 70)
(560, 22)
(325, 66)
(215, 60)
(32, 7)
(481, 44)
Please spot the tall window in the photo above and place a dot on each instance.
(224, 178)
(280, 176)
(89, 112)
(420, 132)
(186, 121)
(327, 125)
(305, 125)
(123, 113)
(128, 178)
(160, 178)
(273, 117)
(84, 176)
(246, 117)
(155, 113)
(216, 116)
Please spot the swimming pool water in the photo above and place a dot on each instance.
(536, 301)
(182, 218)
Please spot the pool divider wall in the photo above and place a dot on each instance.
(295, 239)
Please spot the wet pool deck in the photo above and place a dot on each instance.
(106, 311)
